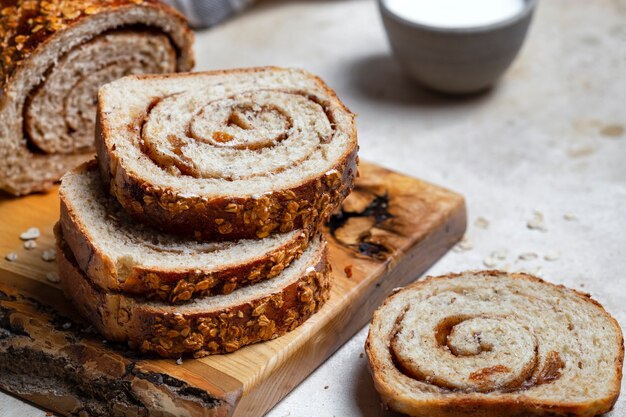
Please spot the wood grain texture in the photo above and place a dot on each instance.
(390, 230)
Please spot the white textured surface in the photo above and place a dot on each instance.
(532, 144)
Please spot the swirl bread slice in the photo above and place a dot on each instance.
(218, 324)
(55, 55)
(494, 344)
(227, 154)
(119, 254)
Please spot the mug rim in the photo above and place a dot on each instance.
(529, 6)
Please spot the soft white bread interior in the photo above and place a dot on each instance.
(494, 344)
(117, 253)
(208, 325)
(226, 155)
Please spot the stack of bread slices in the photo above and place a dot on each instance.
(198, 228)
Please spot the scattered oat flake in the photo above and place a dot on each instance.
(499, 254)
(482, 223)
(53, 277)
(49, 255)
(570, 217)
(179, 361)
(11, 257)
(528, 256)
(489, 262)
(537, 222)
(612, 131)
(464, 245)
(32, 233)
(552, 256)
(30, 244)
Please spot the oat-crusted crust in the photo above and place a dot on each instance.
(303, 206)
(30, 39)
(26, 24)
(167, 332)
(513, 402)
(160, 282)
(165, 284)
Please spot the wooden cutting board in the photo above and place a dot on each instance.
(390, 230)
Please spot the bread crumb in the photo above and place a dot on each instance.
(552, 256)
(489, 262)
(348, 271)
(537, 222)
(361, 355)
(67, 325)
(30, 244)
(30, 234)
(481, 223)
(11, 257)
(53, 277)
(179, 361)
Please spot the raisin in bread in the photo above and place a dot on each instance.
(55, 56)
(494, 344)
(119, 254)
(210, 325)
(227, 154)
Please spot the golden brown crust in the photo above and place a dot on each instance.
(306, 205)
(27, 24)
(170, 334)
(170, 285)
(483, 405)
(35, 34)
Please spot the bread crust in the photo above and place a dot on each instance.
(21, 38)
(167, 332)
(452, 403)
(167, 284)
(305, 205)
(27, 31)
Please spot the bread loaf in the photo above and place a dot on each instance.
(119, 254)
(55, 54)
(227, 154)
(494, 344)
(218, 324)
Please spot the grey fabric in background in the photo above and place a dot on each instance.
(206, 13)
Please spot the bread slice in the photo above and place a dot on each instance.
(209, 325)
(226, 154)
(119, 254)
(494, 344)
(55, 55)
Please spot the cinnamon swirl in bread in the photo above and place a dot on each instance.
(494, 344)
(227, 154)
(55, 55)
